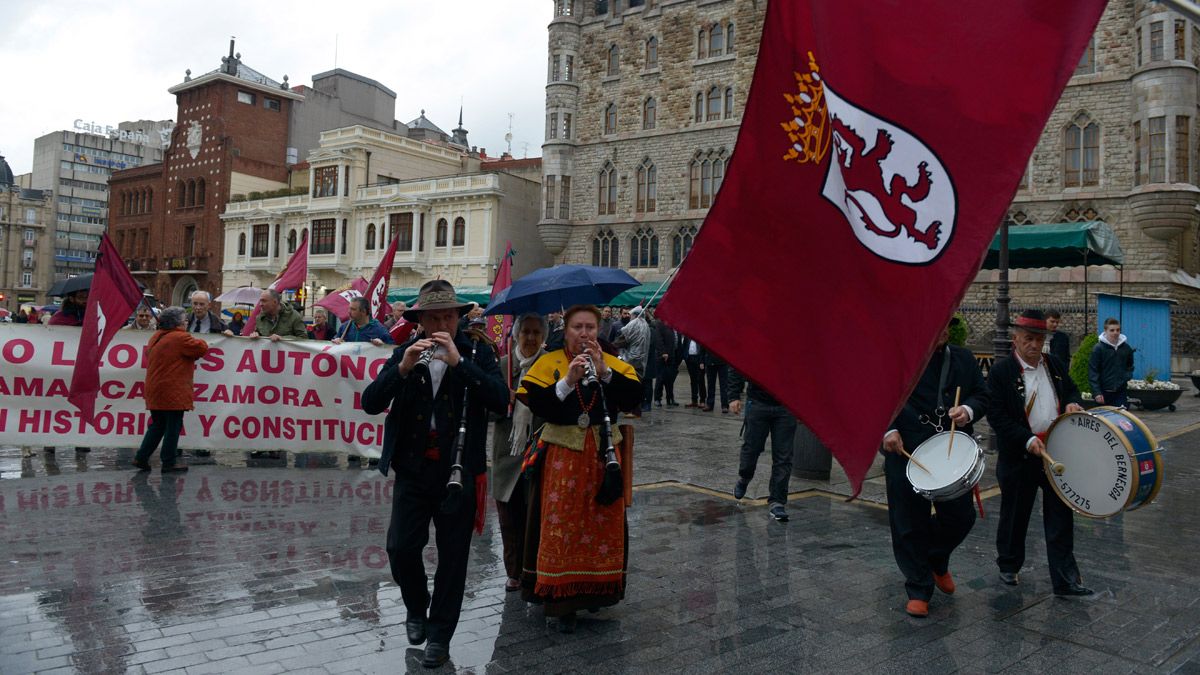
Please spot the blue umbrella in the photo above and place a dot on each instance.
(555, 288)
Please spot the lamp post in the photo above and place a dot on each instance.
(1000, 341)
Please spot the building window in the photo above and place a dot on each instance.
(200, 192)
(401, 224)
(643, 248)
(600, 7)
(728, 102)
(1137, 46)
(271, 103)
(608, 190)
(729, 38)
(705, 176)
(460, 231)
(27, 279)
(1180, 171)
(1158, 149)
(605, 249)
(649, 113)
(551, 191)
(552, 126)
(325, 181)
(1087, 62)
(1156, 40)
(702, 44)
(260, 244)
(190, 199)
(1081, 159)
(566, 126)
(324, 234)
(371, 236)
(180, 191)
(275, 248)
(564, 7)
(555, 60)
(652, 53)
(564, 198)
(699, 116)
(647, 187)
(440, 237)
(614, 61)
(189, 240)
(716, 40)
(342, 247)
(291, 241)
(681, 244)
(714, 105)
(1139, 146)
(610, 119)
(245, 97)
(28, 236)
(149, 200)
(1180, 31)
(1196, 53)
(421, 233)
(569, 68)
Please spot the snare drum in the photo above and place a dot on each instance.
(948, 477)
(1111, 461)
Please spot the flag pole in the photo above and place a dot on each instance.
(663, 285)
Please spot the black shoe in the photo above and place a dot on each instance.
(179, 468)
(416, 631)
(739, 489)
(672, 404)
(567, 623)
(141, 466)
(1074, 590)
(436, 653)
(779, 513)
(1009, 578)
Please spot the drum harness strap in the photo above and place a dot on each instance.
(940, 411)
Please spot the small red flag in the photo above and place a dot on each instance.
(111, 299)
(876, 157)
(338, 302)
(290, 278)
(499, 326)
(377, 287)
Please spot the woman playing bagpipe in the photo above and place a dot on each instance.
(576, 539)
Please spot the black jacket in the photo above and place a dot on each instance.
(739, 382)
(1060, 346)
(215, 324)
(1006, 415)
(1109, 368)
(412, 404)
(964, 372)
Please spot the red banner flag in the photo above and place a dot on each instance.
(377, 287)
(876, 157)
(338, 301)
(290, 278)
(499, 326)
(111, 299)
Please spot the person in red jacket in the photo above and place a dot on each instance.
(171, 363)
(71, 312)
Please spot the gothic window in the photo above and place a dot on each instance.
(608, 190)
(1138, 46)
(704, 180)
(1081, 159)
(647, 187)
(728, 102)
(440, 237)
(643, 248)
(614, 61)
(1087, 62)
(370, 236)
(460, 231)
(1182, 145)
(714, 104)
(702, 44)
(681, 244)
(699, 108)
(555, 71)
(605, 249)
(729, 38)
(652, 53)
(610, 119)
(564, 199)
(552, 126)
(716, 40)
(568, 68)
(1158, 150)
(566, 126)
(241, 243)
(649, 113)
(551, 188)
(291, 241)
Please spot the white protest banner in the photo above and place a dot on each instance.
(301, 395)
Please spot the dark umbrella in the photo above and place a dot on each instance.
(555, 288)
(80, 283)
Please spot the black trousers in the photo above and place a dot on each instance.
(776, 421)
(1020, 479)
(922, 541)
(667, 372)
(416, 500)
(696, 375)
(713, 373)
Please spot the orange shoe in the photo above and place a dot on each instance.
(917, 608)
(944, 583)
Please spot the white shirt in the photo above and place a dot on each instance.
(693, 348)
(437, 371)
(1045, 407)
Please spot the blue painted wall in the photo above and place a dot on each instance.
(1147, 325)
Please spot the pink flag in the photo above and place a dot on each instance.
(111, 299)
(338, 302)
(377, 288)
(499, 326)
(290, 278)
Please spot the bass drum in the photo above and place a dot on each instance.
(1111, 461)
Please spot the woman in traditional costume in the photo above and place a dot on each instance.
(576, 538)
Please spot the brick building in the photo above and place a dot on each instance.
(644, 99)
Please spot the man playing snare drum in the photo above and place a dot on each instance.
(1030, 390)
(921, 541)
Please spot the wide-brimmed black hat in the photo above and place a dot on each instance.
(1032, 320)
(436, 294)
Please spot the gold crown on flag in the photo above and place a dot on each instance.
(808, 130)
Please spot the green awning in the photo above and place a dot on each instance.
(1057, 245)
(480, 294)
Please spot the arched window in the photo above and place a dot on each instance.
(647, 187)
(608, 190)
(440, 237)
(200, 192)
(460, 231)
(191, 193)
(702, 44)
(729, 38)
(344, 232)
(242, 243)
(1081, 156)
(716, 41)
(610, 119)
(614, 61)
(728, 102)
(124, 209)
(681, 243)
(149, 200)
(643, 248)
(649, 113)
(180, 194)
(291, 241)
(714, 104)
(699, 107)
(705, 175)
(605, 249)
(652, 53)
(370, 236)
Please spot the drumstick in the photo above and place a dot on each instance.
(950, 446)
(1029, 406)
(1057, 467)
(914, 461)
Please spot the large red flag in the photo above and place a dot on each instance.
(880, 147)
(111, 299)
(290, 278)
(499, 326)
(377, 287)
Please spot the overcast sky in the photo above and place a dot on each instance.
(113, 61)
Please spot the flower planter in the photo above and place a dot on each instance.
(1156, 399)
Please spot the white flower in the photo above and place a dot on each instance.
(1158, 385)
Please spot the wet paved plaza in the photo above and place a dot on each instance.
(261, 569)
